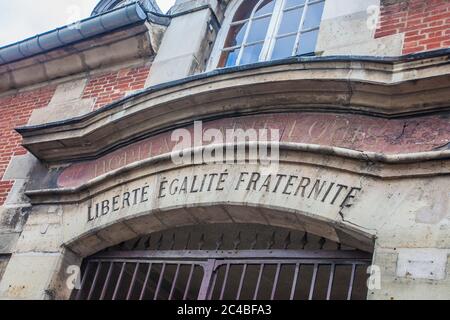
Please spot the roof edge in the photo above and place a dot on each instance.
(87, 28)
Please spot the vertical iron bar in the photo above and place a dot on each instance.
(275, 281)
(144, 286)
(294, 281)
(188, 284)
(175, 278)
(133, 280)
(352, 278)
(261, 269)
(225, 278)
(313, 282)
(241, 282)
(108, 277)
(83, 281)
(116, 289)
(161, 276)
(97, 271)
(208, 271)
(211, 288)
(330, 281)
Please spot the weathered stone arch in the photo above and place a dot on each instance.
(161, 220)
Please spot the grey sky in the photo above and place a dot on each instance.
(20, 19)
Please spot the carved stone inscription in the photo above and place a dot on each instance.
(303, 188)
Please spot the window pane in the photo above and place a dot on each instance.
(290, 21)
(308, 42)
(236, 35)
(251, 54)
(293, 3)
(258, 30)
(245, 10)
(229, 58)
(265, 8)
(313, 16)
(283, 47)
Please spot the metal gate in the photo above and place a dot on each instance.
(226, 274)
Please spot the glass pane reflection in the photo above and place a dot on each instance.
(229, 58)
(251, 54)
(236, 35)
(258, 30)
(293, 3)
(283, 47)
(265, 8)
(308, 41)
(290, 21)
(313, 16)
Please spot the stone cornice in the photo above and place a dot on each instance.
(133, 42)
(412, 85)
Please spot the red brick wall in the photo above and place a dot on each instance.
(15, 110)
(426, 24)
(108, 87)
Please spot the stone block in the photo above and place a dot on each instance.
(176, 218)
(339, 8)
(20, 166)
(8, 241)
(88, 245)
(210, 214)
(27, 276)
(117, 233)
(246, 215)
(422, 263)
(68, 91)
(340, 32)
(16, 195)
(145, 224)
(62, 111)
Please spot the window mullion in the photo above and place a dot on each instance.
(269, 43)
(300, 27)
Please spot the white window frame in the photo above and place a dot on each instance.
(271, 36)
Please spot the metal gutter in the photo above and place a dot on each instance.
(90, 27)
(82, 30)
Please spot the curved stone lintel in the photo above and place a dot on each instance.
(121, 230)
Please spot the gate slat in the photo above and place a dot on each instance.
(108, 277)
(103, 268)
(119, 280)
(144, 286)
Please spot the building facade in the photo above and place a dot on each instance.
(123, 174)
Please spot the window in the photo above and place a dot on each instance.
(271, 29)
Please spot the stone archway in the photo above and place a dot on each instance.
(226, 261)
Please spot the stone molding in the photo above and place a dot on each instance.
(135, 42)
(388, 89)
(368, 164)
